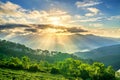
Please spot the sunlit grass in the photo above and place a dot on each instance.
(8, 74)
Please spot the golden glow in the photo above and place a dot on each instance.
(54, 31)
(55, 20)
(57, 43)
(56, 39)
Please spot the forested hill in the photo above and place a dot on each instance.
(109, 55)
(11, 49)
(39, 65)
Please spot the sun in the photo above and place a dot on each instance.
(55, 21)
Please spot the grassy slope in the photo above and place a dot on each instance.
(8, 74)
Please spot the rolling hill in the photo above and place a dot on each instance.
(11, 49)
(109, 55)
(43, 64)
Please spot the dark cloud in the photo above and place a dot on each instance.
(11, 26)
(31, 30)
(68, 29)
(35, 27)
(44, 26)
(39, 26)
(76, 30)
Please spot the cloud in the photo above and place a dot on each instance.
(78, 16)
(89, 19)
(76, 30)
(1, 20)
(111, 32)
(96, 25)
(39, 29)
(114, 17)
(13, 13)
(86, 3)
(89, 14)
(9, 6)
(18, 15)
(10, 9)
(94, 11)
(12, 26)
(31, 30)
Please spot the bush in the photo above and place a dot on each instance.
(55, 71)
(34, 68)
(74, 69)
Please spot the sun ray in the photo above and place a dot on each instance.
(67, 44)
(55, 42)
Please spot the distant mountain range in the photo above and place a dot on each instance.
(90, 41)
(109, 55)
(71, 43)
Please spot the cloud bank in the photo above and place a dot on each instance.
(11, 13)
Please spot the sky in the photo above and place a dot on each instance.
(83, 12)
(51, 22)
(97, 16)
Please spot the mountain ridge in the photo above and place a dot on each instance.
(109, 55)
(79, 42)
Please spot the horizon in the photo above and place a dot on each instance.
(62, 25)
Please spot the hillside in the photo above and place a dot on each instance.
(9, 49)
(8, 74)
(109, 55)
(43, 64)
(69, 69)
